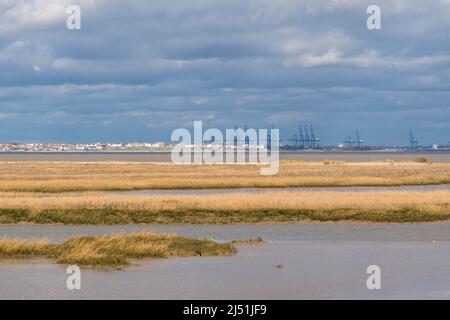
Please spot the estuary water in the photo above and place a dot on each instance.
(155, 192)
(299, 261)
(349, 156)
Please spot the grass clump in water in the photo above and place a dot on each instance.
(113, 251)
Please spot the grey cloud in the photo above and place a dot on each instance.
(142, 68)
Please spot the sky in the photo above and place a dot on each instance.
(139, 69)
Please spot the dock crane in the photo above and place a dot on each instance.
(349, 142)
(359, 141)
(413, 143)
(301, 138)
(315, 141)
(307, 138)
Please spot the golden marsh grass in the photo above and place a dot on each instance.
(264, 207)
(72, 176)
(113, 251)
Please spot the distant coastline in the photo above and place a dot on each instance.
(164, 156)
(287, 151)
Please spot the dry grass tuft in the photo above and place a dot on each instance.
(19, 248)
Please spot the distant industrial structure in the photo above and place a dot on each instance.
(359, 141)
(413, 143)
(305, 139)
(351, 143)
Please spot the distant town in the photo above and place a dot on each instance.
(166, 147)
(79, 147)
(304, 140)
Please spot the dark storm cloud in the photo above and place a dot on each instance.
(138, 69)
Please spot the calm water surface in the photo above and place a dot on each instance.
(319, 261)
(154, 192)
(443, 156)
